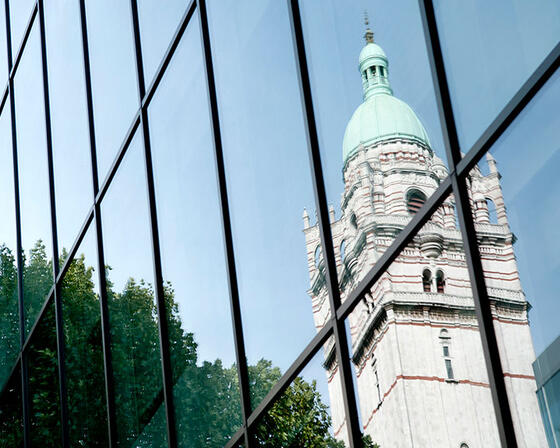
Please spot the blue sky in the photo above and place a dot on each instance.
(264, 142)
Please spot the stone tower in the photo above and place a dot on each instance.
(421, 375)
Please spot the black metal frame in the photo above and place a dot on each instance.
(454, 183)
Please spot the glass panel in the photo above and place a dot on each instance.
(519, 247)
(3, 49)
(84, 352)
(208, 411)
(378, 125)
(70, 134)
(158, 23)
(44, 399)
(113, 76)
(303, 416)
(20, 12)
(33, 179)
(269, 183)
(367, 101)
(11, 412)
(132, 308)
(9, 309)
(416, 349)
(490, 50)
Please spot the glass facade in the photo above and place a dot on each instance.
(268, 224)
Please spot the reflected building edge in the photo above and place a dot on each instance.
(420, 371)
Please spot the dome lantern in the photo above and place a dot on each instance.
(381, 116)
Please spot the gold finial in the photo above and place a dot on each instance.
(369, 33)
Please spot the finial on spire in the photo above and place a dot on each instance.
(369, 33)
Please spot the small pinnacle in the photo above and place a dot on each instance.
(369, 33)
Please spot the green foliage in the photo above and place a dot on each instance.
(206, 394)
(9, 314)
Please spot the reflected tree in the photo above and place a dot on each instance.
(206, 394)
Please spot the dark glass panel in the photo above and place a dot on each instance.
(419, 369)
(303, 415)
(9, 308)
(113, 76)
(11, 412)
(519, 250)
(132, 307)
(44, 398)
(84, 352)
(269, 182)
(34, 190)
(158, 23)
(206, 392)
(490, 50)
(70, 135)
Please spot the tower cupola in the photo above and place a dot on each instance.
(373, 67)
(381, 116)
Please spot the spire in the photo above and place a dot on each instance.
(369, 33)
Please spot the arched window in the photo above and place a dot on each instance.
(318, 255)
(414, 201)
(377, 386)
(446, 351)
(427, 280)
(492, 213)
(440, 282)
(464, 445)
(342, 250)
(354, 220)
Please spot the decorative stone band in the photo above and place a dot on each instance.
(364, 339)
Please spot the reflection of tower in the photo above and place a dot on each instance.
(421, 375)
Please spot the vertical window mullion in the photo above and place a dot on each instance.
(19, 255)
(241, 357)
(104, 309)
(480, 294)
(165, 353)
(339, 330)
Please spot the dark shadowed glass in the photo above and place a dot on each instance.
(79, 293)
(11, 412)
(44, 397)
(9, 309)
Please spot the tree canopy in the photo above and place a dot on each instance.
(206, 394)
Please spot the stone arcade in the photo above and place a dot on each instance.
(421, 375)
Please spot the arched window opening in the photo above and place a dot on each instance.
(464, 445)
(354, 221)
(377, 385)
(440, 282)
(414, 201)
(318, 256)
(427, 280)
(446, 352)
(342, 250)
(492, 213)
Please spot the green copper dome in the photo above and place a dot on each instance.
(381, 116)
